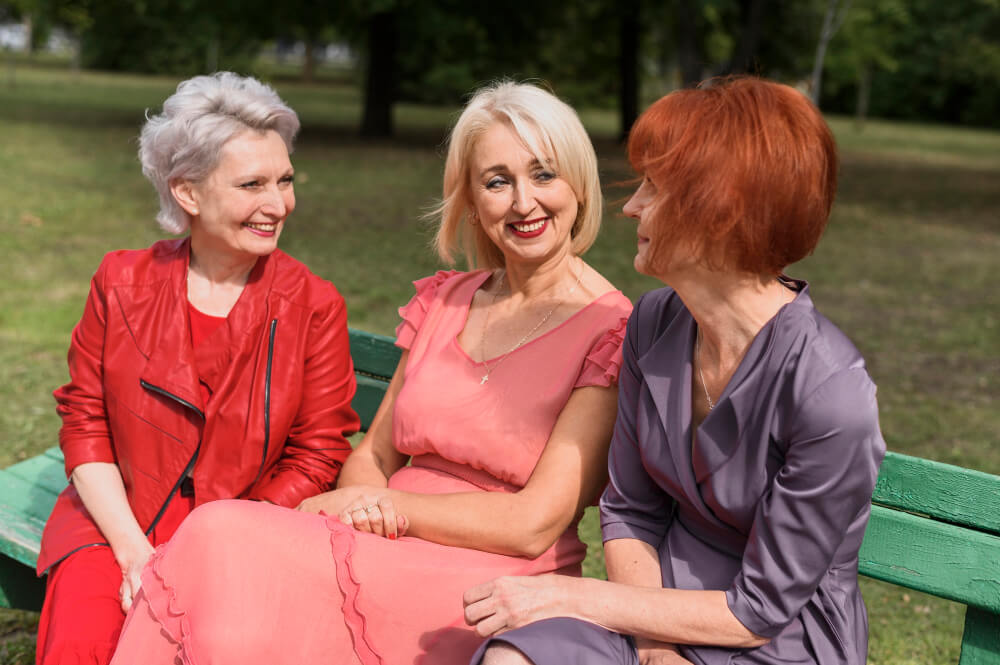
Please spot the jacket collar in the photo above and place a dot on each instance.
(155, 307)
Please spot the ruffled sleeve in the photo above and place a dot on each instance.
(414, 312)
(601, 366)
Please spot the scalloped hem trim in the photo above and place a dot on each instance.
(165, 608)
(342, 544)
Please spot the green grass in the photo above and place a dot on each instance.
(905, 267)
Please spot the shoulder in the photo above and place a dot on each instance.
(296, 283)
(817, 347)
(138, 266)
(831, 386)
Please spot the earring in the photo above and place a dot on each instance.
(473, 218)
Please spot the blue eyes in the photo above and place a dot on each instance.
(543, 177)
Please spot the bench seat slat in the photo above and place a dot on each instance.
(23, 511)
(41, 471)
(942, 491)
(941, 559)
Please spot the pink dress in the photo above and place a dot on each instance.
(244, 582)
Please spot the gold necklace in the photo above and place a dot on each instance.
(486, 324)
(704, 385)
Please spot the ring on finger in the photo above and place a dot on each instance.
(371, 508)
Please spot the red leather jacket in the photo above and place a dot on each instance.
(279, 370)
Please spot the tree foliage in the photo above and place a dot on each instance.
(930, 60)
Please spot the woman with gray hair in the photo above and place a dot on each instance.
(211, 366)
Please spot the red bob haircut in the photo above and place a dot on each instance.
(745, 170)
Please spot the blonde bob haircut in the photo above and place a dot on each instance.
(551, 131)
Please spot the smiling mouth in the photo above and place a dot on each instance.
(261, 228)
(529, 228)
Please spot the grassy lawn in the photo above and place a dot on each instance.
(904, 268)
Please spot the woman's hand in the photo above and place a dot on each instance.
(132, 559)
(511, 602)
(366, 508)
(652, 652)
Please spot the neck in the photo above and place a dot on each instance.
(529, 281)
(219, 268)
(730, 310)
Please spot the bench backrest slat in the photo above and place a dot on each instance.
(374, 355)
(942, 491)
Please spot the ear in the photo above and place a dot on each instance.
(184, 193)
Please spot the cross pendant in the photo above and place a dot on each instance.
(486, 377)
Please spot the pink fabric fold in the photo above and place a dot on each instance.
(602, 364)
(414, 312)
(165, 606)
(342, 545)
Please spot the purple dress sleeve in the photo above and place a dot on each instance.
(633, 504)
(823, 487)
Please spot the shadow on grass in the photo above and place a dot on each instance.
(964, 196)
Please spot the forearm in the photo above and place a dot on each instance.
(505, 523)
(102, 491)
(365, 467)
(675, 616)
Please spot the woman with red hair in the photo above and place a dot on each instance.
(747, 442)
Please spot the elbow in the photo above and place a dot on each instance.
(751, 641)
(536, 538)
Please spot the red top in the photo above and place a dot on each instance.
(202, 327)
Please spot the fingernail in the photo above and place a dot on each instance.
(392, 536)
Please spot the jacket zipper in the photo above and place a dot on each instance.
(267, 400)
(194, 457)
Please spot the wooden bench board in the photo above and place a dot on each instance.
(943, 491)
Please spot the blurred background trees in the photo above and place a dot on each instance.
(912, 59)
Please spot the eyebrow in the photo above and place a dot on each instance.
(503, 167)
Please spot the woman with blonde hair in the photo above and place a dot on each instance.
(491, 439)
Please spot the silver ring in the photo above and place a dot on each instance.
(371, 508)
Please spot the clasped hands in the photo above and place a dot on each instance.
(365, 507)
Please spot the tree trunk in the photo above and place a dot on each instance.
(744, 59)
(834, 18)
(309, 63)
(864, 93)
(628, 64)
(688, 54)
(380, 88)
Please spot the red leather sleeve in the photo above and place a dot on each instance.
(85, 435)
(317, 442)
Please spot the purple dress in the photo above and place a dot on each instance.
(769, 504)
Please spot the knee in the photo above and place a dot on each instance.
(502, 653)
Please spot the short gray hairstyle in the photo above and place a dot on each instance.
(186, 139)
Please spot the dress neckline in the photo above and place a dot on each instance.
(476, 283)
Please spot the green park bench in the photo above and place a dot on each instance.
(934, 527)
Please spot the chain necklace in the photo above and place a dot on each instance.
(486, 324)
(704, 385)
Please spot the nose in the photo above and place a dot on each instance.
(274, 204)
(524, 199)
(632, 208)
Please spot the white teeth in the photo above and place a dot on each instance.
(260, 227)
(528, 228)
